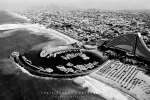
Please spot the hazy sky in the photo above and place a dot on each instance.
(101, 4)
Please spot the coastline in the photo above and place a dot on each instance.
(136, 93)
(91, 84)
(17, 15)
(29, 26)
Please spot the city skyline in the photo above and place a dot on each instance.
(99, 4)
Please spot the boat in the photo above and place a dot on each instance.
(64, 61)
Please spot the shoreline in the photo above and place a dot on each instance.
(17, 15)
(136, 93)
(90, 85)
(65, 37)
(34, 27)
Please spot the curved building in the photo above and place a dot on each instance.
(131, 43)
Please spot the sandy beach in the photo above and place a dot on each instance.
(94, 86)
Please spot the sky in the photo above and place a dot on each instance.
(100, 4)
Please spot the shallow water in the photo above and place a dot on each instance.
(6, 18)
(15, 84)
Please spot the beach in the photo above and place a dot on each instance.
(94, 86)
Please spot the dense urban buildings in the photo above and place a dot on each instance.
(122, 70)
(89, 25)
